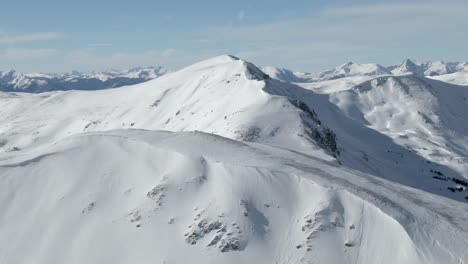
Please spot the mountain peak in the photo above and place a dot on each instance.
(408, 62)
(347, 64)
(221, 161)
(427, 68)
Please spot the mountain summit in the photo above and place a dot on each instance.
(219, 162)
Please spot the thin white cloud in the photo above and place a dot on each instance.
(367, 33)
(13, 39)
(201, 40)
(383, 33)
(100, 45)
(396, 9)
(168, 52)
(28, 54)
(241, 15)
(88, 59)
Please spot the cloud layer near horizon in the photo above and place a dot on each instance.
(382, 33)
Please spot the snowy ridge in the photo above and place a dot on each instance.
(224, 96)
(452, 72)
(12, 81)
(283, 74)
(221, 163)
(428, 68)
(458, 78)
(351, 69)
(407, 129)
(215, 200)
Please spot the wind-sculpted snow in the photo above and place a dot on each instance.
(135, 196)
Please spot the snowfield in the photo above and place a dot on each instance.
(134, 196)
(222, 163)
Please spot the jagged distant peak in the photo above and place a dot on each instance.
(428, 68)
(93, 80)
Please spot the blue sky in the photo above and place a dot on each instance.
(56, 36)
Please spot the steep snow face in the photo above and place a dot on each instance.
(225, 96)
(11, 81)
(408, 66)
(158, 197)
(422, 138)
(428, 68)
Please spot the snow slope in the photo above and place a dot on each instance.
(362, 128)
(224, 96)
(283, 74)
(408, 129)
(279, 173)
(459, 78)
(134, 196)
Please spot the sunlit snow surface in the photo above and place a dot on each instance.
(246, 175)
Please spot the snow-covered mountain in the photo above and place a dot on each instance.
(459, 78)
(284, 74)
(351, 69)
(11, 81)
(221, 163)
(354, 73)
(428, 68)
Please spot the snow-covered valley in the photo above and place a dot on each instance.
(221, 162)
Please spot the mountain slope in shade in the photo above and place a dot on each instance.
(157, 197)
(12, 81)
(405, 128)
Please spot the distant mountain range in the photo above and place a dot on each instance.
(350, 69)
(13, 81)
